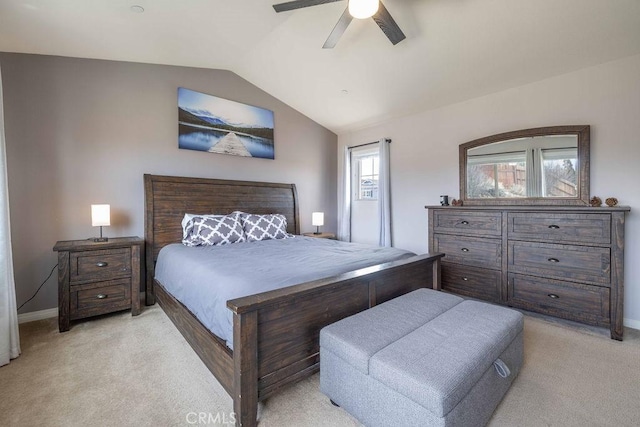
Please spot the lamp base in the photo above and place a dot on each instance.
(100, 239)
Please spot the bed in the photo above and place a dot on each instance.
(275, 333)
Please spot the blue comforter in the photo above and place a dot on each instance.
(204, 278)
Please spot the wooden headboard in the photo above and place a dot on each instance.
(168, 198)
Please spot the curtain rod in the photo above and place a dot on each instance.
(368, 143)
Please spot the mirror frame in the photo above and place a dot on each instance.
(583, 134)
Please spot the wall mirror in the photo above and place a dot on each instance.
(541, 166)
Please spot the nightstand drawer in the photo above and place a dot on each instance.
(99, 298)
(574, 301)
(100, 264)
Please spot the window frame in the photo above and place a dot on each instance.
(356, 177)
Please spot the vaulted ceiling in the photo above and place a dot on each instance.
(454, 50)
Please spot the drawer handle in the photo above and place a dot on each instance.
(553, 260)
(101, 296)
(102, 264)
(555, 227)
(464, 250)
(464, 222)
(466, 279)
(553, 296)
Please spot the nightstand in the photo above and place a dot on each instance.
(321, 235)
(97, 277)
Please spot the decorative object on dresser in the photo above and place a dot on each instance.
(444, 200)
(595, 201)
(541, 166)
(97, 277)
(456, 202)
(565, 262)
(611, 201)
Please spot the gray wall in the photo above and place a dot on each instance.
(82, 131)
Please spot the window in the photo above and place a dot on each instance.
(560, 177)
(366, 168)
(497, 175)
(535, 172)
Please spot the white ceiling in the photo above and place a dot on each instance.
(454, 50)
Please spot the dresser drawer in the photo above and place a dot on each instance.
(100, 264)
(584, 303)
(476, 223)
(578, 228)
(473, 251)
(578, 263)
(471, 281)
(99, 298)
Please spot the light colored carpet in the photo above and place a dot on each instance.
(119, 370)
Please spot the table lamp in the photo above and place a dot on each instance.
(317, 219)
(100, 216)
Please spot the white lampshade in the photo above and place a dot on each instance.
(317, 219)
(100, 215)
(362, 9)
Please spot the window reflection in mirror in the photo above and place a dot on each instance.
(541, 166)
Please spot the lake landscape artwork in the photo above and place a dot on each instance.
(217, 125)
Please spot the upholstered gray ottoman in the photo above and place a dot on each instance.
(426, 358)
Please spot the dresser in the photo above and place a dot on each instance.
(95, 278)
(566, 262)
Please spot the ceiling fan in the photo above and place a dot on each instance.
(359, 9)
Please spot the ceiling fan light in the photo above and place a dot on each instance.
(362, 9)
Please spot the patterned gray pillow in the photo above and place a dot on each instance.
(213, 230)
(265, 227)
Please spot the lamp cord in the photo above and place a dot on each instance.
(40, 287)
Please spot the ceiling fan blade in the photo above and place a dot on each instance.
(299, 4)
(338, 30)
(388, 25)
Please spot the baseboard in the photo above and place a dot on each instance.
(632, 323)
(38, 315)
(53, 312)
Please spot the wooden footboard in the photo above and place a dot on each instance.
(276, 334)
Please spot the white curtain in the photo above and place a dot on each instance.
(384, 195)
(344, 220)
(9, 338)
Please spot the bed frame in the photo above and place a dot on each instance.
(275, 333)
